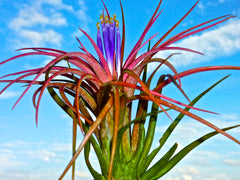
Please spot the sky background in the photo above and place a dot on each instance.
(29, 152)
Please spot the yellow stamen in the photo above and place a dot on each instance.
(98, 26)
(110, 22)
(114, 17)
(106, 19)
(117, 23)
(101, 17)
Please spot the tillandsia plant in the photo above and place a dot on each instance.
(98, 93)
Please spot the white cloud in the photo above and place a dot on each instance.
(15, 144)
(20, 174)
(209, 176)
(186, 177)
(82, 14)
(173, 178)
(37, 160)
(192, 170)
(38, 17)
(201, 6)
(60, 147)
(35, 22)
(220, 42)
(206, 155)
(42, 154)
(57, 3)
(40, 151)
(189, 129)
(36, 38)
(232, 162)
(8, 94)
(8, 159)
(187, 171)
(83, 17)
(82, 174)
(229, 116)
(24, 20)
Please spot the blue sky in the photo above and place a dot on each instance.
(30, 152)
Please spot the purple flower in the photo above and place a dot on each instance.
(109, 39)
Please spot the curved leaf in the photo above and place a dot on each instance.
(152, 173)
(167, 133)
(89, 133)
(181, 154)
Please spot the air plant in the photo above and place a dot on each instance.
(98, 93)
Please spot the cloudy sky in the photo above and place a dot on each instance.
(29, 152)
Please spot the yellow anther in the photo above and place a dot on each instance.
(106, 19)
(114, 17)
(110, 21)
(117, 23)
(98, 25)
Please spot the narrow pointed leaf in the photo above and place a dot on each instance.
(180, 155)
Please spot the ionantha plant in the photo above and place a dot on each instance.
(98, 94)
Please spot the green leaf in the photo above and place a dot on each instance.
(151, 173)
(94, 173)
(88, 135)
(150, 134)
(74, 140)
(149, 137)
(146, 162)
(100, 156)
(181, 154)
(181, 115)
(125, 152)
